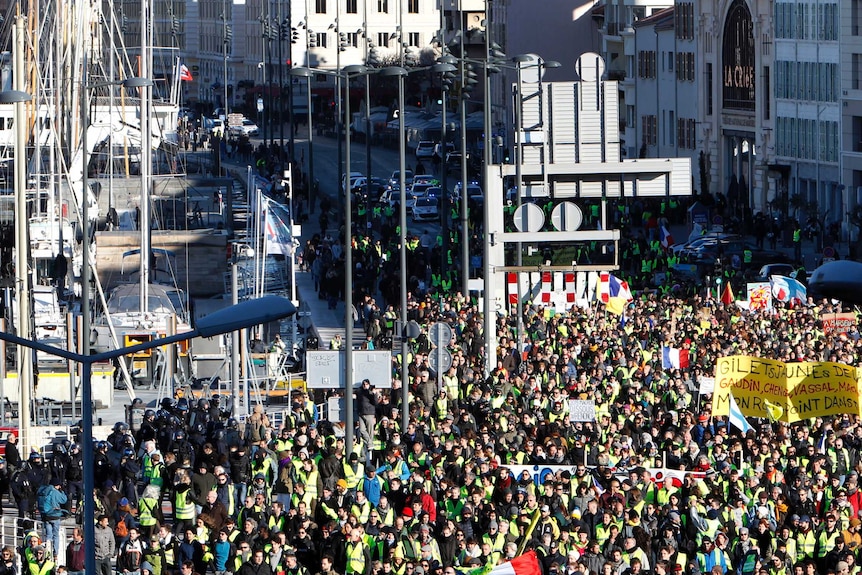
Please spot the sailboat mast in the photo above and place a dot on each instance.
(22, 244)
(146, 154)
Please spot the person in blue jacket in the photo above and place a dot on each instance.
(51, 500)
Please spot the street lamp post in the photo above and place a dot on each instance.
(227, 34)
(241, 316)
(307, 74)
(494, 54)
(353, 70)
(446, 81)
(401, 73)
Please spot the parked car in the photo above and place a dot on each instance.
(443, 151)
(353, 177)
(780, 269)
(360, 188)
(686, 249)
(474, 192)
(708, 254)
(453, 159)
(425, 179)
(391, 198)
(424, 149)
(416, 192)
(395, 179)
(425, 209)
(248, 129)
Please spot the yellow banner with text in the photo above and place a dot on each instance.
(785, 391)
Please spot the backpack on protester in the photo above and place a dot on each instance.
(121, 529)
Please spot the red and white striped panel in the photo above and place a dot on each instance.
(512, 285)
(570, 288)
(547, 287)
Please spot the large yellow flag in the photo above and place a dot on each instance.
(616, 305)
(774, 411)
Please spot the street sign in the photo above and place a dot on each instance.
(440, 332)
(440, 360)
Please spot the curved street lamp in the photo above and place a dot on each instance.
(307, 73)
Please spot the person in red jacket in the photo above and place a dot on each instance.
(75, 553)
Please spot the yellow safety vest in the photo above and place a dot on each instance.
(805, 545)
(146, 506)
(35, 569)
(355, 559)
(184, 507)
(826, 542)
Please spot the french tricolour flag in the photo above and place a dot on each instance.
(612, 286)
(674, 358)
(666, 238)
(526, 564)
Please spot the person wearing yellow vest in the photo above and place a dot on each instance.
(184, 503)
(150, 511)
(310, 478)
(358, 557)
(277, 520)
(361, 508)
(256, 565)
(40, 563)
(824, 540)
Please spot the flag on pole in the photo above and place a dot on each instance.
(666, 238)
(674, 358)
(736, 418)
(185, 74)
(727, 295)
(788, 289)
(612, 286)
(278, 237)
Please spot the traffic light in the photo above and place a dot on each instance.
(294, 35)
(342, 42)
(228, 34)
(285, 32)
(312, 39)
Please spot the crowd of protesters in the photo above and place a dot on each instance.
(195, 490)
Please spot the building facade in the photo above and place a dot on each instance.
(759, 93)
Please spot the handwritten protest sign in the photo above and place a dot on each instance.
(838, 323)
(582, 410)
(796, 391)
